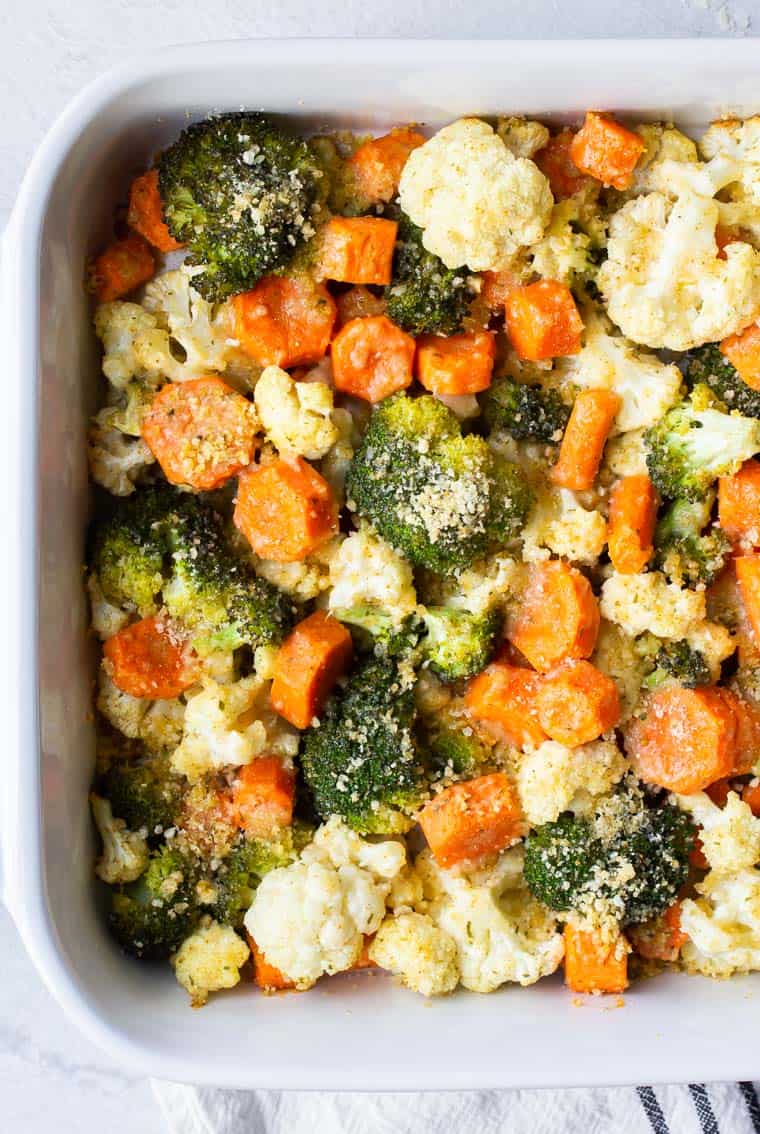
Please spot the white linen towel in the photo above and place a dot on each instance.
(717, 1108)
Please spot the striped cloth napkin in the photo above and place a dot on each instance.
(699, 1108)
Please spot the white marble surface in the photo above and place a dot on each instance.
(51, 1078)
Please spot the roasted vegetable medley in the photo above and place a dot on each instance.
(426, 554)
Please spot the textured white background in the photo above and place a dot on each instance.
(51, 1079)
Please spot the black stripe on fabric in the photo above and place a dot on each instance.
(749, 1095)
(653, 1110)
(703, 1107)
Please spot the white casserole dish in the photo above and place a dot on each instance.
(355, 1032)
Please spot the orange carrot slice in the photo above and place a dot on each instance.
(285, 321)
(357, 250)
(743, 352)
(372, 358)
(377, 164)
(457, 364)
(585, 436)
(309, 662)
(632, 517)
(122, 267)
(576, 703)
(285, 509)
(262, 796)
(558, 617)
(739, 504)
(542, 321)
(469, 821)
(146, 212)
(605, 150)
(151, 659)
(555, 162)
(506, 695)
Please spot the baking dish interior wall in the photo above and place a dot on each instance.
(144, 1003)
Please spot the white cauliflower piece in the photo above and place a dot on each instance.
(304, 579)
(476, 203)
(487, 585)
(646, 386)
(738, 141)
(663, 282)
(563, 252)
(368, 571)
(626, 454)
(663, 143)
(228, 726)
(335, 464)
(125, 853)
(311, 917)
(158, 723)
(202, 330)
(616, 655)
(558, 523)
(730, 835)
(116, 460)
(723, 925)
(552, 778)
(502, 934)
(209, 959)
(134, 345)
(105, 618)
(297, 416)
(523, 137)
(648, 602)
(463, 406)
(162, 724)
(413, 947)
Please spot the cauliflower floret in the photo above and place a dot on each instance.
(730, 835)
(202, 331)
(209, 959)
(311, 917)
(502, 934)
(663, 143)
(303, 579)
(558, 523)
(335, 464)
(740, 141)
(134, 346)
(648, 602)
(616, 655)
(488, 584)
(714, 643)
(105, 618)
(414, 948)
(723, 925)
(125, 853)
(406, 893)
(626, 454)
(476, 203)
(228, 726)
(116, 460)
(296, 415)
(158, 723)
(552, 779)
(523, 137)
(463, 406)
(162, 725)
(563, 253)
(663, 281)
(367, 570)
(646, 386)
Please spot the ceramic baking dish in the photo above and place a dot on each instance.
(353, 1032)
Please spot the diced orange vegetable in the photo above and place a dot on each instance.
(357, 250)
(751, 796)
(697, 856)
(661, 938)
(357, 303)
(592, 965)
(743, 352)
(558, 617)
(267, 977)
(309, 662)
(747, 741)
(555, 162)
(605, 150)
(151, 659)
(285, 509)
(585, 436)
(372, 358)
(495, 287)
(718, 792)
(686, 741)
(469, 821)
(577, 702)
(739, 504)
(723, 237)
(364, 961)
(146, 212)
(262, 796)
(542, 321)
(377, 164)
(748, 577)
(632, 517)
(201, 432)
(457, 364)
(506, 695)
(285, 321)
(122, 267)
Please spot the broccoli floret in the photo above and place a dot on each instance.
(240, 192)
(362, 762)
(152, 917)
(694, 444)
(374, 628)
(424, 295)
(528, 413)
(633, 856)
(440, 498)
(708, 365)
(685, 554)
(678, 661)
(144, 793)
(173, 543)
(455, 750)
(239, 874)
(459, 644)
